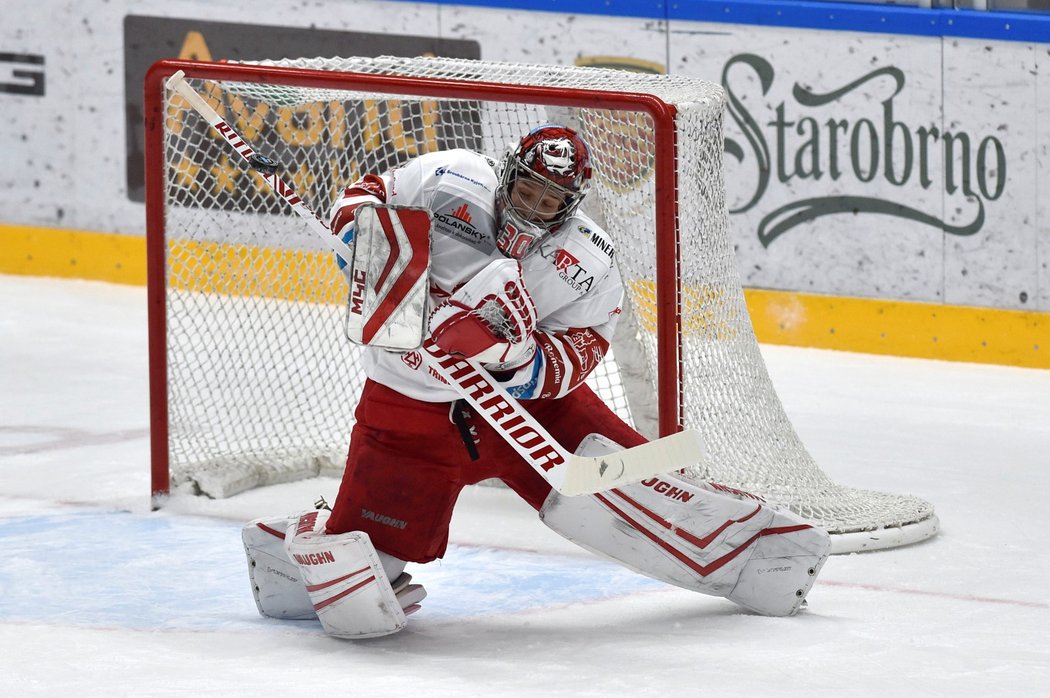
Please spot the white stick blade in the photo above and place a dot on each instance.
(176, 77)
(587, 475)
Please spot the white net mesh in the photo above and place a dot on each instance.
(262, 384)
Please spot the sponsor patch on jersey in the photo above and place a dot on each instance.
(563, 260)
(463, 220)
(569, 268)
(457, 221)
(448, 172)
(601, 242)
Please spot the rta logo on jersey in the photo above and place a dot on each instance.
(563, 260)
(569, 269)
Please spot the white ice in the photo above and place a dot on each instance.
(99, 596)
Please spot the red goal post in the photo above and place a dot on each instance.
(246, 354)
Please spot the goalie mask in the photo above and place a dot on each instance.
(544, 179)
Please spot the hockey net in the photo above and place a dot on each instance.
(252, 380)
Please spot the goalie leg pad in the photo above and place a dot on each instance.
(276, 582)
(722, 543)
(788, 555)
(345, 580)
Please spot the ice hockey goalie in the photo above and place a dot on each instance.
(524, 283)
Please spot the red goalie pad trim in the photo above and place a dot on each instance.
(686, 535)
(271, 531)
(685, 559)
(784, 529)
(325, 585)
(351, 590)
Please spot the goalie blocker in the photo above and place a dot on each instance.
(388, 276)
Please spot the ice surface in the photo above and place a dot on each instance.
(99, 596)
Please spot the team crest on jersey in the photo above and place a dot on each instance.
(413, 360)
(588, 347)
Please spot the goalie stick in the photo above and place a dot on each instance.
(567, 473)
(266, 166)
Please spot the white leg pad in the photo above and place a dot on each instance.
(783, 566)
(345, 580)
(701, 537)
(276, 582)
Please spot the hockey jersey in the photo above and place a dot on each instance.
(570, 275)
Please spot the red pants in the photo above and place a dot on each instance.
(408, 462)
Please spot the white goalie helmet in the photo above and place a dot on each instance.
(544, 179)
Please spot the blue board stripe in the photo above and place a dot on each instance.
(1033, 27)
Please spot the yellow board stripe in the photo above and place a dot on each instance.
(73, 254)
(247, 270)
(901, 328)
(896, 328)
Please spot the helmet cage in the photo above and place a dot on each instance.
(570, 198)
(521, 227)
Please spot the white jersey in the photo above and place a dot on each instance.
(570, 275)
